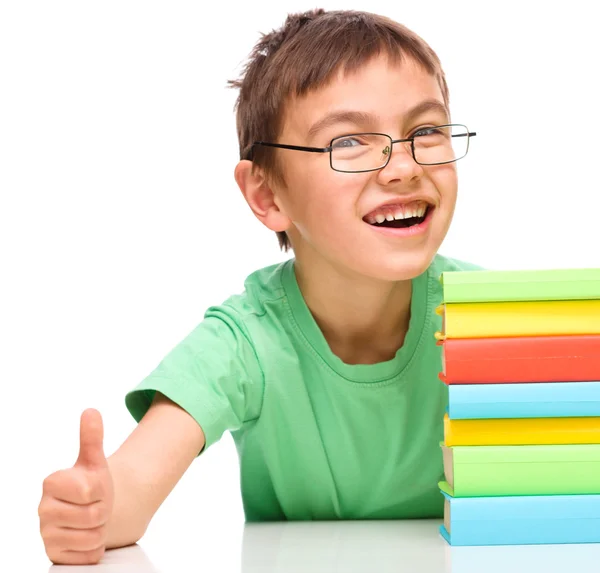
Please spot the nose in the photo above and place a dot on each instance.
(401, 165)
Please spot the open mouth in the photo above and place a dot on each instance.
(402, 223)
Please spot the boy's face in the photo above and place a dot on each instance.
(328, 209)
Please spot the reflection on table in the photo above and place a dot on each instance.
(412, 546)
(355, 546)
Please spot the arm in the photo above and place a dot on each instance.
(148, 465)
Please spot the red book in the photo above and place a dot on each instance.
(572, 358)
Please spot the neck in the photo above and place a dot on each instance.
(363, 320)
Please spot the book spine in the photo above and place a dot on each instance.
(524, 400)
(527, 478)
(508, 520)
(521, 431)
(521, 359)
(514, 319)
(528, 285)
(520, 292)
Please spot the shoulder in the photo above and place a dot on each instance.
(262, 288)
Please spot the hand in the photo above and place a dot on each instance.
(77, 502)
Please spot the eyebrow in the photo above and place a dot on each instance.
(364, 118)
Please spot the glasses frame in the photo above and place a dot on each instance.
(329, 149)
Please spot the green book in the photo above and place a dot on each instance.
(487, 471)
(529, 285)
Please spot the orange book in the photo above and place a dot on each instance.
(572, 358)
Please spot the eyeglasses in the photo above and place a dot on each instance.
(362, 152)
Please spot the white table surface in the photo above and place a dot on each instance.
(351, 546)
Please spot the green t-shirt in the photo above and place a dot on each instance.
(318, 439)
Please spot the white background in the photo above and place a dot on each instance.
(120, 220)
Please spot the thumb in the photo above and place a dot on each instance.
(91, 435)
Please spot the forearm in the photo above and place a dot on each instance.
(129, 520)
(148, 465)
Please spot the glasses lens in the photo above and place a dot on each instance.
(360, 152)
(441, 144)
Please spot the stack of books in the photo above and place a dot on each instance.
(521, 450)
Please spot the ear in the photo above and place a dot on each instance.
(260, 197)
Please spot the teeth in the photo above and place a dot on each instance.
(409, 212)
(399, 213)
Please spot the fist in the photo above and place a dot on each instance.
(77, 502)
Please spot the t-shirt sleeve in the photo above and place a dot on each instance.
(213, 374)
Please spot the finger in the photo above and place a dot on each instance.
(74, 485)
(63, 514)
(76, 557)
(68, 539)
(91, 436)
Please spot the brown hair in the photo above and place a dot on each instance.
(303, 55)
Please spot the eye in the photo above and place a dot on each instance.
(350, 141)
(425, 131)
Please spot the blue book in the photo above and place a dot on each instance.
(521, 520)
(532, 400)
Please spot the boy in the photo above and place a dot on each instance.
(325, 368)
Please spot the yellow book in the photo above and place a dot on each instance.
(521, 431)
(531, 318)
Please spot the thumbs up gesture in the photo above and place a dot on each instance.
(77, 502)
